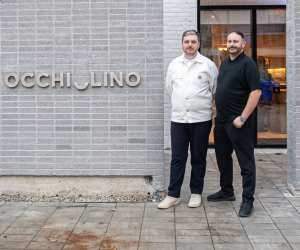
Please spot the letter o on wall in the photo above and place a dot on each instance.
(11, 80)
(133, 79)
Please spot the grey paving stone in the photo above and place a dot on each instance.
(16, 237)
(254, 227)
(159, 213)
(230, 220)
(187, 232)
(219, 213)
(44, 245)
(256, 219)
(158, 232)
(81, 246)
(282, 212)
(22, 230)
(226, 229)
(159, 219)
(233, 246)
(126, 245)
(266, 239)
(26, 222)
(194, 246)
(291, 232)
(200, 220)
(126, 220)
(293, 239)
(83, 240)
(95, 228)
(263, 232)
(102, 205)
(191, 214)
(230, 239)
(13, 244)
(128, 214)
(295, 246)
(271, 246)
(190, 226)
(158, 238)
(20, 205)
(194, 239)
(131, 205)
(54, 235)
(130, 230)
(160, 246)
(294, 200)
(124, 237)
(4, 226)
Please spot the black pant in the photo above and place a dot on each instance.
(183, 135)
(227, 137)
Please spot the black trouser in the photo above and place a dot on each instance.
(227, 137)
(183, 135)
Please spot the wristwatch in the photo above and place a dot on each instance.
(242, 119)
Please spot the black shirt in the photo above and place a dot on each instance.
(236, 80)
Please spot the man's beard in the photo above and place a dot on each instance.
(236, 52)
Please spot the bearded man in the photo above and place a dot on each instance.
(237, 96)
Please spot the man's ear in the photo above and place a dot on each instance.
(244, 43)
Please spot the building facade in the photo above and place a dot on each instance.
(81, 89)
(82, 93)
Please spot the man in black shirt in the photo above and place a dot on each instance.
(237, 96)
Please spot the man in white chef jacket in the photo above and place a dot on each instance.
(191, 84)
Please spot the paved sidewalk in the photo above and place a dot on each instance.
(274, 225)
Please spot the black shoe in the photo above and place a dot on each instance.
(221, 196)
(246, 209)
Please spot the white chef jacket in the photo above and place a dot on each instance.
(191, 83)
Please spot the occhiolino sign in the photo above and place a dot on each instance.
(64, 80)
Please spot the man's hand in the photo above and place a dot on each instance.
(237, 122)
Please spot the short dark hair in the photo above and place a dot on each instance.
(190, 32)
(241, 34)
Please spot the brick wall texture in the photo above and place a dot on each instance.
(293, 93)
(98, 131)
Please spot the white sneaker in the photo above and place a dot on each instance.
(195, 200)
(168, 202)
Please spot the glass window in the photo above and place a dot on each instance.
(271, 116)
(242, 2)
(270, 35)
(215, 25)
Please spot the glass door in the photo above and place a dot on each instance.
(271, 112)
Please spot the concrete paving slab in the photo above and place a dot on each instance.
(160, 246)
(193, 246)
(295, 246)
(266, 239)
(233, 247)
(272, 246)
(44, 246)
(230, 239)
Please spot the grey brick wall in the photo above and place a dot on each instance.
(178, 16)
(293, 94)
(98, 131)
